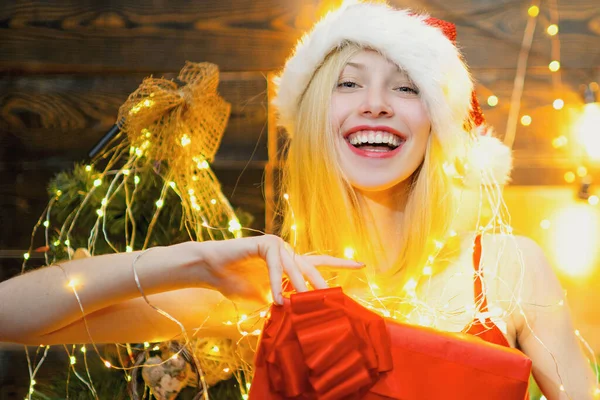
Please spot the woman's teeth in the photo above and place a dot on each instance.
(378, 139)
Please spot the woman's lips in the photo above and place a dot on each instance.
(374, 154)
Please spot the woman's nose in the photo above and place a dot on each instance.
(376, 104)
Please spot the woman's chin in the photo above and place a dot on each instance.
(373, 184)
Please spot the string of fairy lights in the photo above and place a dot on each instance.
(415, 292)
(558, 103)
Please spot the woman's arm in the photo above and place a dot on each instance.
(187, 280)
(133, 321)
(546, 334)
(40, 302)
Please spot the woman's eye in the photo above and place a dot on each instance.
(407, 89)
(347, 84)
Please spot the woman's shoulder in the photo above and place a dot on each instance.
(518, 268)
(515, 251)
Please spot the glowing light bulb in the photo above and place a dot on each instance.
(411, 285)
(569, 177)
(492, 101)
(293, 227)
(98, 182)
(526, 120)
(263, 314)
(203, 165)
(226, 370)
(554, 66)
(558, 104)
(72, 283)
(67, 242)
(234, 225)
(156, 348)
(427, 271)
(582, 171)
(128, 249)
(243, 317)
(136, 180)
(26, 256)
(453, 234)
(256, 332)
(533, 11)
(213, 201)
(587, 130)
(100, 212)
(88, 168)
(349, 253)
(286, 196)
(83, 349)
(593, 200)
(559, 142)
(215, 349)
(185, 140)
(174, 357)
(58, 193)
(552, 29)
(146, 345)
(57, 243)
(73, 360)
(172, 184)
(159, 203)
(107, 364)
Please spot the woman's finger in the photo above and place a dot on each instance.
(291, 269)
(329, 261)
(311, 273)
(275, 267)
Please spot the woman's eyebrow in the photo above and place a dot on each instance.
(356, 65)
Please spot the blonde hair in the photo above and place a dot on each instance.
(324, 213)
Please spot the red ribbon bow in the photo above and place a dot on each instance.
(321, 345)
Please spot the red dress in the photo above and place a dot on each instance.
(487, 330)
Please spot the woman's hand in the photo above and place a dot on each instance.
(243, 268)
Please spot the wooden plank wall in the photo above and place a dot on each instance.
(67, 65)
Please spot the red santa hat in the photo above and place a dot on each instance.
(426, 49)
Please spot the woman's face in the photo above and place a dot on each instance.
(381, 124)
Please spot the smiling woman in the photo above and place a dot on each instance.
(385, 132)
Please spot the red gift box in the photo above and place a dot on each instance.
(322, 345)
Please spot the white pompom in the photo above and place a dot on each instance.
(489, 161)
